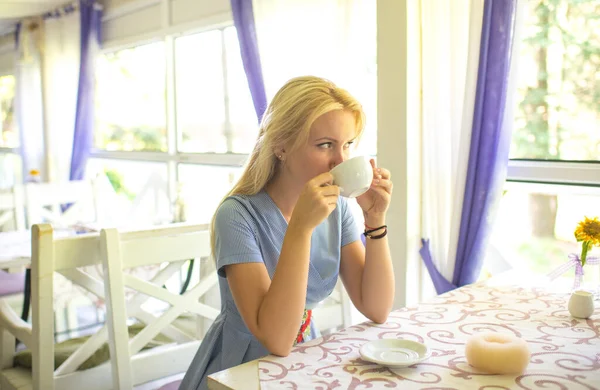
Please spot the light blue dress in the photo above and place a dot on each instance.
(250, 229)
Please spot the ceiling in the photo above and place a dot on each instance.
(11, 11)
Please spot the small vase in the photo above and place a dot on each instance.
(581, 304)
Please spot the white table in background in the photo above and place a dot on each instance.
(15, 250)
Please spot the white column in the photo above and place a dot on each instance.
(399, 136)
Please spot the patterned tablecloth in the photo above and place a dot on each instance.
(565, 352)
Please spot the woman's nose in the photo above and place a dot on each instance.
(337, 159)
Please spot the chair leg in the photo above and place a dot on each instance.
(26, 296)
(7, 349)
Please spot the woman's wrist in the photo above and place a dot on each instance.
(374, 221)
(298, 230)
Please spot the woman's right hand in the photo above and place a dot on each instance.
(317, 200)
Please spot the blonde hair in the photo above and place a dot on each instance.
(287, 121)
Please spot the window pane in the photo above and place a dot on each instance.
(130, 99)
(9, 136)
(242, 116)
(141, 189)
(200, 93)
(558, 101)
(11, 170)
(535, 225)
(203, 187)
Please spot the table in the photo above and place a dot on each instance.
(15, 256)
(15, 249)
(564, 351)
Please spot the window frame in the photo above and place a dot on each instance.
(557, 172)
(584, 173)
(172, 158)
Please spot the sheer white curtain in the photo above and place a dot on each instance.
(450, 57)
(28, 97)
(335, 39)
(61, 52)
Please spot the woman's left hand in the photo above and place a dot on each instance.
(376, 200)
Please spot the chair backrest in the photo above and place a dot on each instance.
(335, 312)
(46, 202)
(168, 245)
(70, 202)
(12, 209)
(49, 255)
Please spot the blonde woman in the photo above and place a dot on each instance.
(283, 234)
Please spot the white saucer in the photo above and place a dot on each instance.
(394, 352)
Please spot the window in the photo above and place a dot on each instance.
(11, 170)
(130, 100)
(198, 81)
(242, 116)
(214, 107)
(559, 83)
(200, 95)
(179, 108)
(10, 162)
(141, 183)
(535, 224)
(9, 136)
(200, 204)
(554, 172)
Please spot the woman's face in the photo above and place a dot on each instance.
(329, 144)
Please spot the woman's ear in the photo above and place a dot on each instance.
(280, 154)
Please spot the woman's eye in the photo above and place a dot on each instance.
(348, 145)
(325, 145)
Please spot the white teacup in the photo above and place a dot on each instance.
(581, 304)
(353, 176)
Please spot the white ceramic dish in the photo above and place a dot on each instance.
(395, 352)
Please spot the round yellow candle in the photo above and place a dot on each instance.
(497, 353)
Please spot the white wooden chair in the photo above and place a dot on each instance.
(49, 255)
(129, 365)
(335, 312)
(12, 209)
(12, 217)
(171, 245)
(90, 201)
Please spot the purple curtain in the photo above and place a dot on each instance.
(17, 35)
(243, 17)
(490, 144)
(90, 16)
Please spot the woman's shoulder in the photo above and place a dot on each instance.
(237, 207)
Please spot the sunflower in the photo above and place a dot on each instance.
(588, 232)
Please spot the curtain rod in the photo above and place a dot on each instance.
(67, 9)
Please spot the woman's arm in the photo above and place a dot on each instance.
(273, 309)
(368, 277)
(367, 273)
